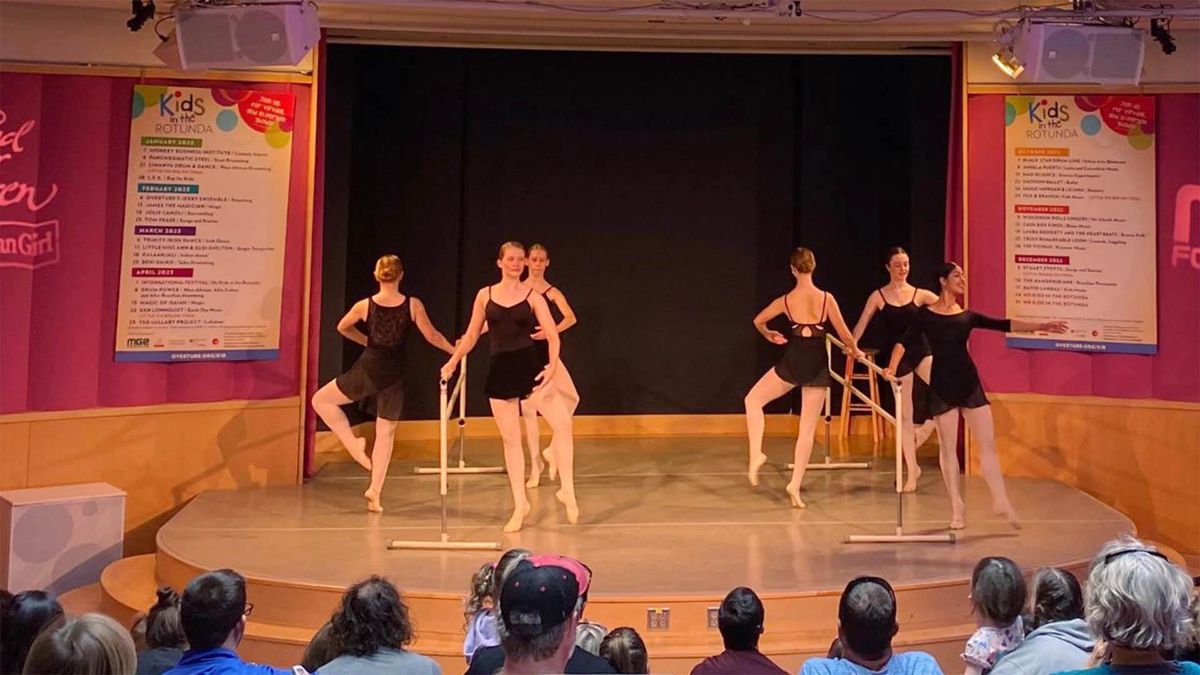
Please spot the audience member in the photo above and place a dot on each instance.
(25, 616)
(740, 621)
(480, 612)
(866, 626)
(165, 641)
(540, 605)
(997, 598)
(625, 651)
(1060, 639)
(488, 660)
(320, 649)
(213, 613)
(1137, 606)
(92, 644)
(588, 636)
(370, 631)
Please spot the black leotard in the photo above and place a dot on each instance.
(804, 362)
(954, 382)
(514, 359)
(896, 320)
(379, 373)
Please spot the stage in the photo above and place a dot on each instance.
(667, 523)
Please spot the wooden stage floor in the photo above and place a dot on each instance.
(660, 517)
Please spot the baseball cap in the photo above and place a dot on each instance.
(542, 592)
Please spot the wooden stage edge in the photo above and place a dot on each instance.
(669, 524)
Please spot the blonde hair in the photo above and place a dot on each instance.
(92, 644)
(803, 260)
(539, 247)
(388, 268)
(509, 244)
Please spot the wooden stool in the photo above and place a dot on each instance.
(850, 404)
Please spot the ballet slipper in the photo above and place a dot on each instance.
(568, 500)
(756, 463)
(793, 493)
(914, 475)
(518, 517)
(373, 504)
(359, 453)
(535, 471)
(1006, 510)
(549, 457)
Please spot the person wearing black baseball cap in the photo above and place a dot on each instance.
(540, 604)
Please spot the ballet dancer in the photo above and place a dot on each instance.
(378, 372)
(515, 373)
(897, 304)
(954, 386)
(563, 385)
(804, 364)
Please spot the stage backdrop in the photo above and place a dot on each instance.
(1171, 374)
(669, 189)
(63, 161)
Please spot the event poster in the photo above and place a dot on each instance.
(205, 222)
(1080, 221)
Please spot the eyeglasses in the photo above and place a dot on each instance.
(249, 609)
(1117, 554)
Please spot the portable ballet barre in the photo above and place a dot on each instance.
(447, 402)
(897, 421)
(827, 463)
(462, 467)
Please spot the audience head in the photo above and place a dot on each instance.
(866, 619)
(481, 590)
(625, 652)
(25, 616)
(213, 609)
(137, 631)
(92, 644)
(997, 590)
(163, 625)
(373, 616)
(504, 567)
(588, 636)
(1137, 599)
(320, 650)
(1055, 595)
(740, 619)
(540, 603)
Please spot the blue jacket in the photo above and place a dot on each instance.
(219, 661)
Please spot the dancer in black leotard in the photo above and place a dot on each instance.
(379, 372)
(562, 385)
(513, 312)
(897, 304)
(955, 386)
(803, 365)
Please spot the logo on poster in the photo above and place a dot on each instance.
(1184, 252)
(182, 114)
(1047, 120)
(28, 245)
(137, 342)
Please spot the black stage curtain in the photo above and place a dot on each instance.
(668, 188)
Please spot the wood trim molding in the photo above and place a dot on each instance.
(1102, 401)
(117, 70)
(137, 410)
(1063, 89)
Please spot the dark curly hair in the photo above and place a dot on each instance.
(373, 616)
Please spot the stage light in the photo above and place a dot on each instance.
(143, 11)
(1008, 63)
(1160, 30)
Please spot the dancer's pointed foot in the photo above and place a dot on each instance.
(358, 451)
(518, 517)
(373, 504)
(914, 475)
(1006, 510)
(958, 517)
(756, 463)
(549, 457)
(568, 500)
(793, 492)
(535, 471)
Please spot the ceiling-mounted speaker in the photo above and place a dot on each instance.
(244, 36)
(1053, 53)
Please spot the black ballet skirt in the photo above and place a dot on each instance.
(896, 320)
(377, 378)
(514, 363)
(954, 381)
(804, 362)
